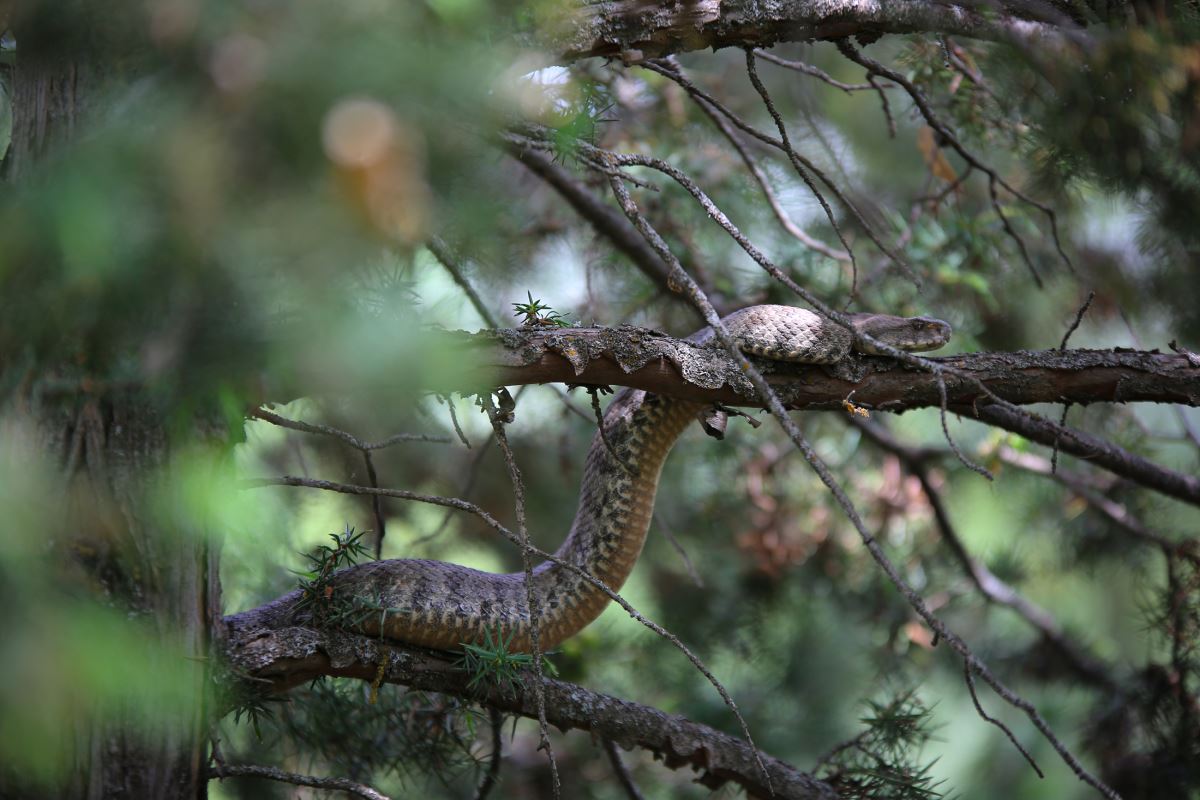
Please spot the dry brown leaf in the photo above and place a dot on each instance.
(934, 157)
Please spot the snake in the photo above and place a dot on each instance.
(440, 605)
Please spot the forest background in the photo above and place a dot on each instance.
(220, 217)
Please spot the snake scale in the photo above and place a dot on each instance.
(441, 605)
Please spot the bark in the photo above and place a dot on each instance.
(634, 30)
(650, 360)
(290, 656)
(114, 451)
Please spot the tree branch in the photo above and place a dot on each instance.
(1097, 451)
(990, 586)
(273, 774)
(637, 30)
(291, 656)
(646, 359)
(650, 360)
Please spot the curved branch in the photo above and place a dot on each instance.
(288, 657)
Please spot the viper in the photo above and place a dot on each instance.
(440, 605)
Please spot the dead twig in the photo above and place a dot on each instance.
(499, 419)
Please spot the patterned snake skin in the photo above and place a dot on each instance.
(440, 605)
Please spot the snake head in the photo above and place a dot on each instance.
(914, 334)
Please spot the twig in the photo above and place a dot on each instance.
(1062, 422)
(947, 136)
(991, 587)
(449, 401)
(1078, 319)
(687, 561)
(1180, 602)
(376, 505)
(935, 200)
(607, 221)
(995, 590)
(816, 72)
(672, 72)
(979, 708)
(472, 476)
(800, 163)
(363, 447)
(962, 457)
(594, 394)
(1012, 232)
(498, 420)
(883, 102)
(1097, 451)
(568, 404)
(771, 400)
(840, 747)
(446, 257)
(496, 721)
(760, 178)
(348, 438)
(624, 776)
(1098, 500)
(273, 774)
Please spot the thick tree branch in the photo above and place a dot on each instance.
(645, 359)
(650, 360)
(291, 656)
(637, 30)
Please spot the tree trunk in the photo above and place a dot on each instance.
(114, 451)
(117, 451)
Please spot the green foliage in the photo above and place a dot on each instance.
(318, 593)
(578, 121)
(255, 709)
(1121, 116)
(1158, 724)
(211, 244)
(492, 663)
(535, 313)
(883, 763)
(942, 70)
(387, 289)
(415, 736)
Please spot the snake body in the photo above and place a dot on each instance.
(441, 605)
